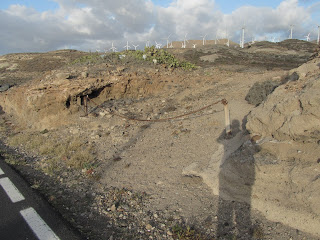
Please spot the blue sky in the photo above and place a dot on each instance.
(40, 5)
(226, 6)
(43, 25)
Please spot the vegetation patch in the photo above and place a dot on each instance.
(150, 54)
(91, 58)
(13, 159)
(164, 57)
(56, 153)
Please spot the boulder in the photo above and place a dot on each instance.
(292, 111)
(259, 92)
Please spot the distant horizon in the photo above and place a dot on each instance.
(49, 25)
(189, 46)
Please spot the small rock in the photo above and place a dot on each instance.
(169, 233)
(95, 137)
(277, 78)
(63, 75)
(148, 227)
(121, 69)
(255, 138)
(293, 77)
(84, 74)
(113, 208)
(74, 131)
(102, 114)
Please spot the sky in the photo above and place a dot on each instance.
(91, 25)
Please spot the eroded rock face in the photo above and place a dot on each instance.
(292, 111)
(57, 98)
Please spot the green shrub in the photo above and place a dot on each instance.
(164, 57)
(160, 55)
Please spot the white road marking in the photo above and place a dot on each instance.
(38, 226)
(11, 190)
(1, 172)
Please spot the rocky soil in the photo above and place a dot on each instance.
(131, 170)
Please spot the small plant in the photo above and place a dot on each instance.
(14, 160)
(185, 233)
(36, 184)
(81, 159)
(258, 233)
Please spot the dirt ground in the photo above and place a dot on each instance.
(180, 178)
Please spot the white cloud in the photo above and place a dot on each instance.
(92, 24)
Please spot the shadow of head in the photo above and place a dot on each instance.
(235, 127)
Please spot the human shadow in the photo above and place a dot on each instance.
(236, 178)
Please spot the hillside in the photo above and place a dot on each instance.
(151, 157)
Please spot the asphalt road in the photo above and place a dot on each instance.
(26, 215)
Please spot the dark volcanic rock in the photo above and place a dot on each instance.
(259, 92)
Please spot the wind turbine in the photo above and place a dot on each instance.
(308, 37)
(194, 45)
(318, 40)
(171, 46)
(113, 48)
(185, 40)
(242, 37)
(253, 40)
(158, 45)
(167, 40)
(291, 31)
(135, 47)
(228, 42)
(148, 43)
(216, 40)
(204, 39)
(127, 46)
(227, 37)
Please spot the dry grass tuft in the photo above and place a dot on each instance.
(71, 152)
